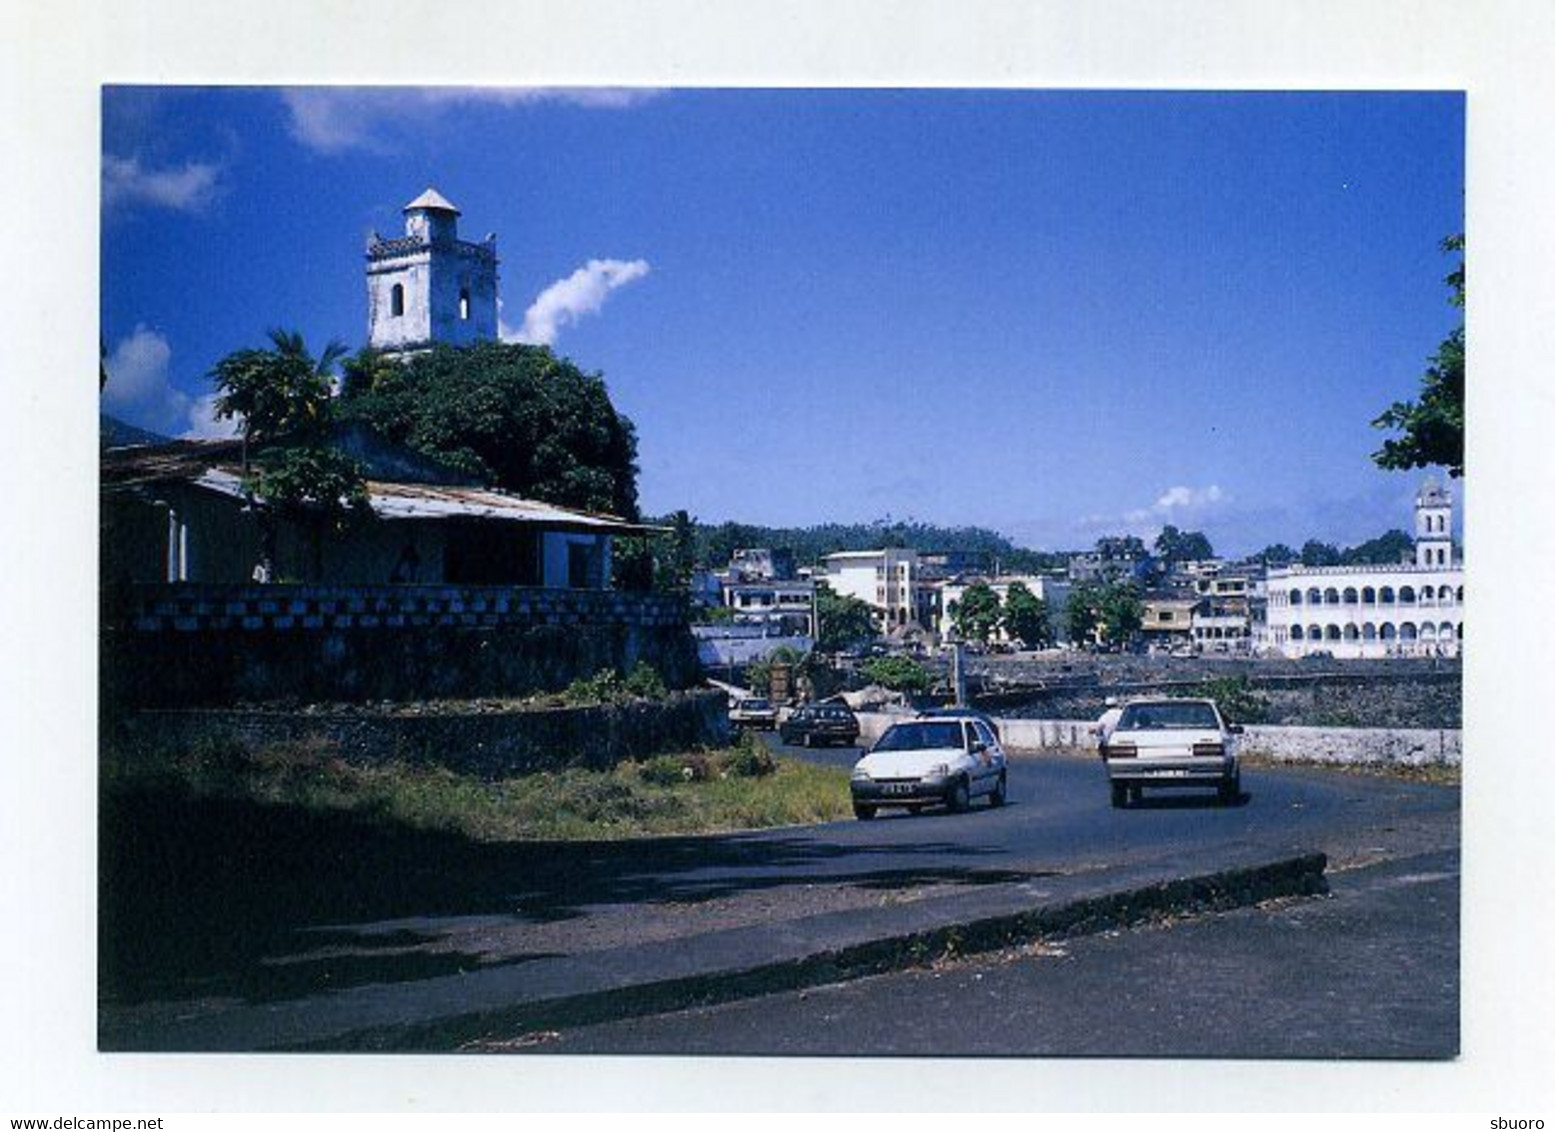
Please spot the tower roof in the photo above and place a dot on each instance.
(432, 201)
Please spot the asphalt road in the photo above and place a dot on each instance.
(1369, 972)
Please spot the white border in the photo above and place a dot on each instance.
(53, 58)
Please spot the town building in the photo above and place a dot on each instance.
(1166, 621)
(886, 580)
(428, 286)
(1409, 609)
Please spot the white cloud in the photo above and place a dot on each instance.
(1174, 498)
(186, 188)
(567, 300)
(205, 425)
(140, 391)
(336, 119)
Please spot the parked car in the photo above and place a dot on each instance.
(753, 712)
(930, 762)
(1171, 743)
(962, 713)
(815, 725)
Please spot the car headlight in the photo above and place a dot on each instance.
(860, 772)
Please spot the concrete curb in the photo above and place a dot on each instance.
(487, 1007)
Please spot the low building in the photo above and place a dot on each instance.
(886, 580)
(1167, 620)
(180, 513)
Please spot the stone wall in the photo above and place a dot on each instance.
(487, 743)
(1321, 745)
(190, 644)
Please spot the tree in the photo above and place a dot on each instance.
(898, 673)
(283, 398)
(1128, 548)
(1276, 554)
(1385, 550)
(516, 416)
(844, 620)
(1112, 613)
(1315, 553)
(1432, 427)
(976, 615)
(1026, 616)
(1122, 612)
(1182, 546)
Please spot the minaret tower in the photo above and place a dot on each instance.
(1433, 527)
(429, 286)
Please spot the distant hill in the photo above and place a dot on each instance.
(114, 433)
(716, 542)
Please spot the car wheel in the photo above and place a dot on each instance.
(915, 809)
(1136, 794)
(999, 794)
(959, 797)
(863, 813)
(1119, 795)
(1230, 791)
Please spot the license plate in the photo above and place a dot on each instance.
(1171, 774)
(898, 788)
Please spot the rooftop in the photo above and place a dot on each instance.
(432, 200)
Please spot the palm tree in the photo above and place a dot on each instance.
(277, 392)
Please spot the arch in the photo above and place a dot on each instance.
(1406, 595)
(1385, 597)
(397, 300)
(1460, 595)
(1445, 631)
(1427, 595)
(1295, 597)
(1428, 632)
(1332, 633)
(1408, 632)
(1351, 597)
(1314, 596)
(1331, 596)
(464, 304)
(1296, 633)
(1351, 633)
(1368, 596)
(1314, 632)
(1368, 632)
(1389, 633)
(1444, 596)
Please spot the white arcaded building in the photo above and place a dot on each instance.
(1411, 609)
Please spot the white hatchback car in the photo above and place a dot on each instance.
(928, 762)
(1171, 743)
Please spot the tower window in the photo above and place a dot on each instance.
(397, 300)
(464, 304)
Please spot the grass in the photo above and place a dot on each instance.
(1434, 773)
(699, 792)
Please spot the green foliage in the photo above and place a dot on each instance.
(845, 621)
(1432, 426)
(1276, 554)
(899, 673)
(714, 615)
(314, 477)
(516, 416)
(758, 674)
(1385, 550)
(715, 544)
(1026, 617)
(977, 614)
(280, 392)
(1182, 546)
(1110, 613)
(609, 687)
(748, 758)
(1315, 553)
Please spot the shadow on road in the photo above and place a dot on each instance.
(220, 898)
(1188, 802)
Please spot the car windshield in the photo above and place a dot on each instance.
(1168, 717)
(920, 736)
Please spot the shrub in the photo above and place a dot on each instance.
(1238, 702)
(899, 673)
(749, 758)
(645, 682)
(608, 687)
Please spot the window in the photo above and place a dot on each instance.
(464, 304)
(397, 300)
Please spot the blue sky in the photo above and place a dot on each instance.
(1057, 314)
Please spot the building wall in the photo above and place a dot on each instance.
(183, 644)
(1353, 618)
